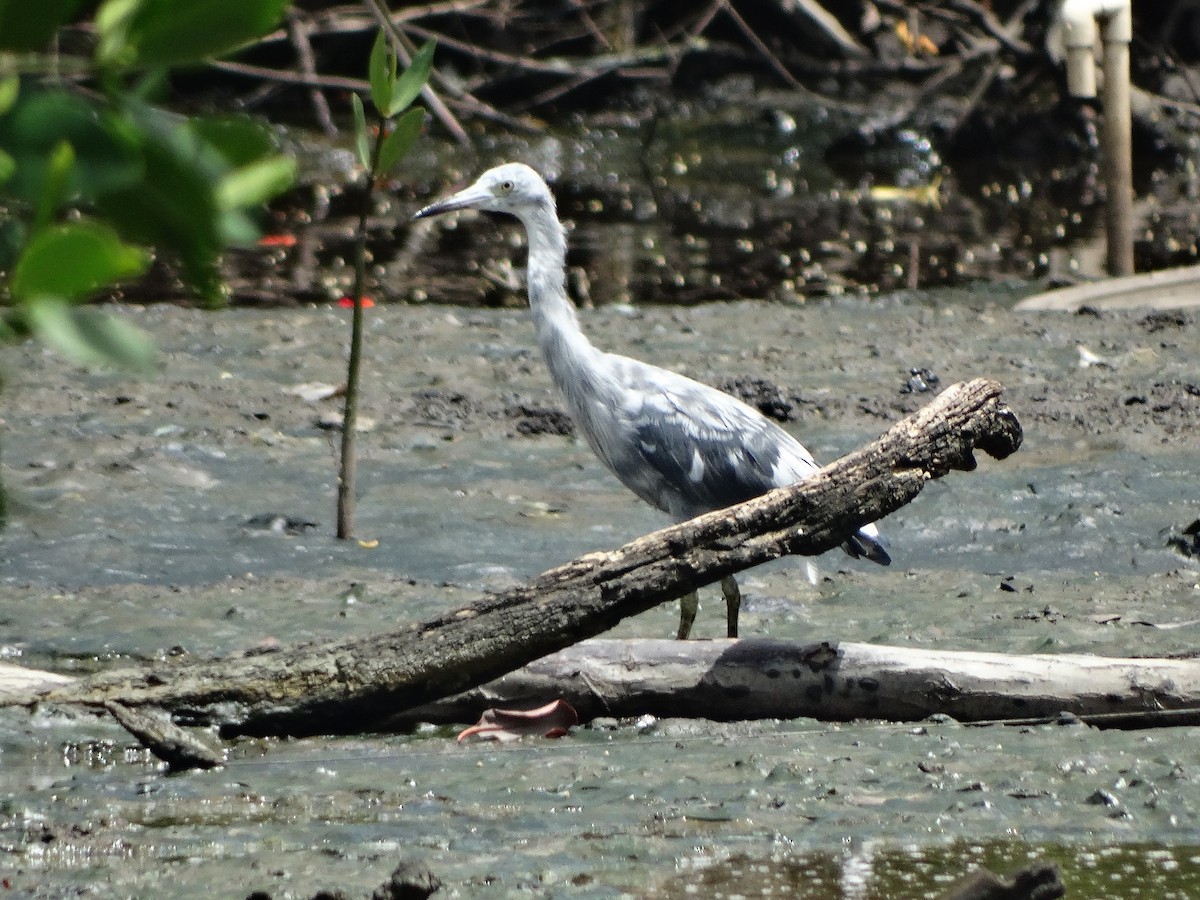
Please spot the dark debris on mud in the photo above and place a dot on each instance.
(1187, 541)
(1170, 406)
(1163, 320)
(762, 394)
(534, 419)
(450, 409)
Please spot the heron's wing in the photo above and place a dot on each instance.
(689, 448)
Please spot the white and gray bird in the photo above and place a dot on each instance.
(682, 446)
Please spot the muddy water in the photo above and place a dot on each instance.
(192, 512)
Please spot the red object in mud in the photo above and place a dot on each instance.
(552, 720)
(277, 240)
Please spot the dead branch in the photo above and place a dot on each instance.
(349, 685)
(828, 24)
(298, 32)
(512, 51)
(729, 680)
(287, 76)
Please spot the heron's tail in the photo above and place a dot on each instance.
(866, 543)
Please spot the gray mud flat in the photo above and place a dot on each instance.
(192, 512)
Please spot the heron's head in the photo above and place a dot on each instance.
(512, 188)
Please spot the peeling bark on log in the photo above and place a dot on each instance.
(730, 680)
(352, 685)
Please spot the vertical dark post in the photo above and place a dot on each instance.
(1118, 152)
(347, 466)
(1115, 17)
(3, 502)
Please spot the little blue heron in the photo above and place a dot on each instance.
(683, 447)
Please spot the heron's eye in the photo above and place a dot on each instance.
(506, 187)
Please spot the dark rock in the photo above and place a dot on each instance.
(409, 881)
(763, 395)
(535, 420)
(1187, 541)
(1159, 321)
(1040, 881)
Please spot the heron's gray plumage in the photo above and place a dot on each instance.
(687, 449)
(681, 446)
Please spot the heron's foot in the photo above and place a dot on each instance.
(733, 603)
(689, 605)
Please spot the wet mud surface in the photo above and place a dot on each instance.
(192, 513)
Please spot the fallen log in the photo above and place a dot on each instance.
(763, 678)
(352, 685)
(1165, 289)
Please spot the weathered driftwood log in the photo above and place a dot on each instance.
(759, 678)
(1165, 289)
(348, 685)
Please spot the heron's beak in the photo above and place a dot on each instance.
(467, 198)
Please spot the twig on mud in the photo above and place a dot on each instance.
(513, 46)
(287, 76)
(596, 65)
(987, 21)
(955, 12)
(298, 31)
(351, 19)
(590, 24)
(639, 63)
(829, 25)
(772, 60)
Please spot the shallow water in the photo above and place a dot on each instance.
(130, 539)
(673, 808)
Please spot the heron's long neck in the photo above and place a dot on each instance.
(569, 355)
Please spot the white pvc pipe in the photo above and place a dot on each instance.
(1080, 36)
(1115, 17)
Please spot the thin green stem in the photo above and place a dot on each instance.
(3, 503)
(347, 468)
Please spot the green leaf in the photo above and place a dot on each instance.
(10, 89)
(8, 166)
(237, 229)
(239, 139)
(106, 156)
(74, 260)
(381, 72)
(87, 336)
(174, 205)
(409, 85)
(54, 187)
(112, 23)
(27, 25)
(256, 183)
(171, 33)
(397, 144)
(362, 141)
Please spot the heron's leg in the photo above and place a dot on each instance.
(688, 605)
(733, 603)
